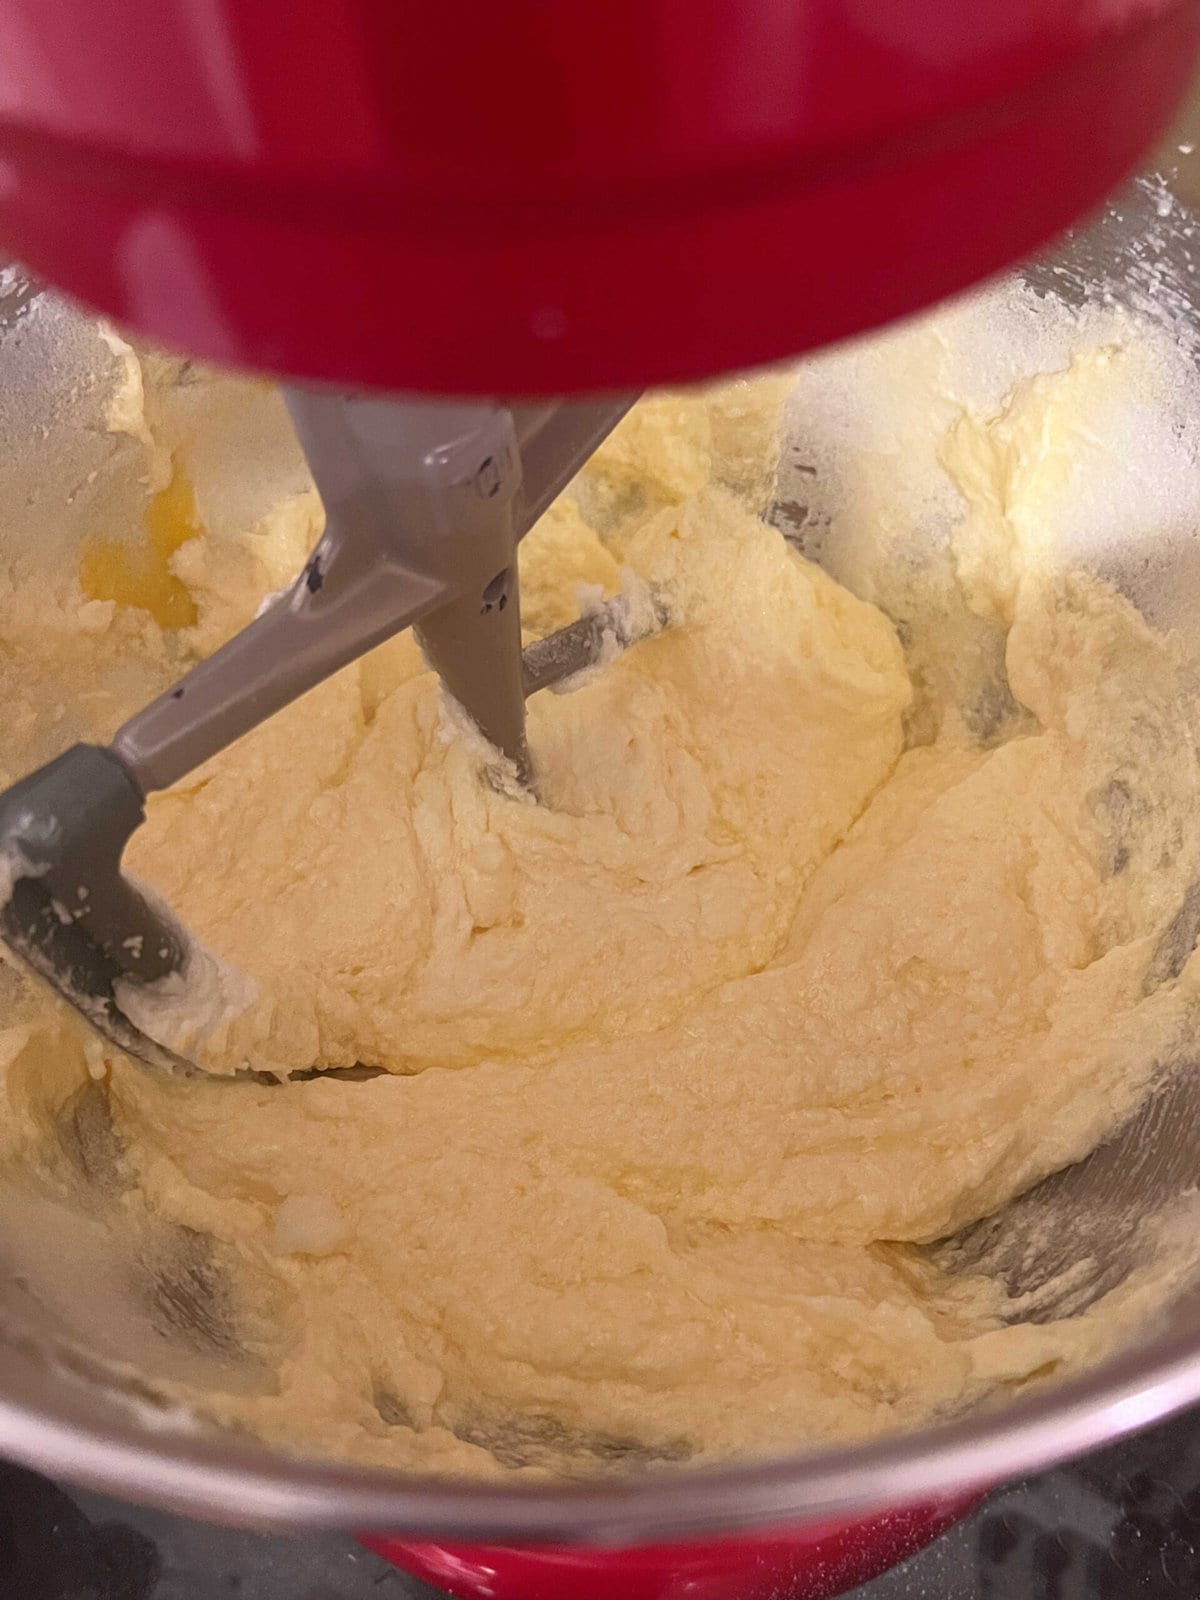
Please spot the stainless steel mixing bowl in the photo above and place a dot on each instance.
(72, 1302)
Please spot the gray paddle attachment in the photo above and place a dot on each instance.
(425, 506)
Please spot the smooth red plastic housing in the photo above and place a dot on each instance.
(546, 197)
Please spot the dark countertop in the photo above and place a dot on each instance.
(1120, 1525)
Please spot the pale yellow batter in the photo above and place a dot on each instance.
(797, 965)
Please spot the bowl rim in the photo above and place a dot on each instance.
(53, 1428)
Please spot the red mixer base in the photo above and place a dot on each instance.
(811, 1563)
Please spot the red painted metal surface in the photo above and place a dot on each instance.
(808, 1563)
(543, 197)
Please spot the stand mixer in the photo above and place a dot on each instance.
(761, 180)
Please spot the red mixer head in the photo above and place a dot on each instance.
(536, 197)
